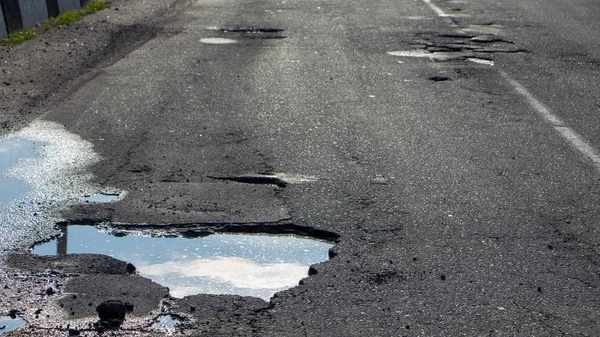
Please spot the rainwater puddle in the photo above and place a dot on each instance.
(167, 322)
(217, 40)
(12, 150)
(240, 264)
(43, 167)
(8, 323)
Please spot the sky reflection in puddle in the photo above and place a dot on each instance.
(101, 197)
(12, 150)
(8, 323)
(43, 168)
(247, 265)
(167, 322)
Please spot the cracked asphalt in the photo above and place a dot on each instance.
(448, 148)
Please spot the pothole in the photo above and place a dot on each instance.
(43, 167)
(168, 322)
(217, 40)
(102, 197)
(438, 78)
(489, 38)
(255, 32)
(474, 43)
(240, 264)
(278, 179)
(11, 322)
(11, 151)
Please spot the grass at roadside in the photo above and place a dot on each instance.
(20, 36)
(62, 19)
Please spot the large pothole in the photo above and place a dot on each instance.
(255, 265)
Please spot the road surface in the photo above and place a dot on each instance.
(452, 147)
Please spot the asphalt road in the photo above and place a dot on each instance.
(461, 179)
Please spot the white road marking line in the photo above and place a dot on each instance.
(569, 134)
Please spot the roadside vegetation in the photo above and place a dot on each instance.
(62, 19)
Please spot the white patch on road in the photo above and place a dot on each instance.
(292, 178)
(440, 12)
(217, 40)
(416, 18)
(482, 29)
(480, 61)
(433, 56)
(566, 132)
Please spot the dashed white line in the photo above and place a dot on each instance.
(566, 132)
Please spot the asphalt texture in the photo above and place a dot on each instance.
(456, 207)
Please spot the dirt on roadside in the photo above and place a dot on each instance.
(37, 74)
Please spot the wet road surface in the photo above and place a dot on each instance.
(451, 145)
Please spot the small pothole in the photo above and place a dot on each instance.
(240, 264)
(255, 32)
(278, 179)
(438, 78)
(101, 197)
(255, 179)
(168, 322)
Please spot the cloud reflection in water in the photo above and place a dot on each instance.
(246, 265)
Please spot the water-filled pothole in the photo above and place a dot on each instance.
(255, 32)
(11, 322)
(43, 168)
(167, 322)
(11, 150)
(240, 264)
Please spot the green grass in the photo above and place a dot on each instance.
(76, 14)
(20, 36)
(62, 19)
(96, 5)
